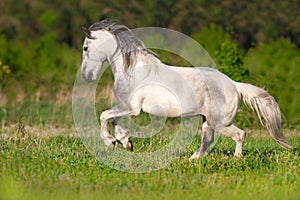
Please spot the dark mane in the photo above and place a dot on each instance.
(130, 45)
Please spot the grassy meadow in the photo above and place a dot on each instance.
(48, 162)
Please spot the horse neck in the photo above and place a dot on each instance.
(116, 64)
(147, 59)
(143, 59)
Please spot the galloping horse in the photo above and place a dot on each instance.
(143, 83)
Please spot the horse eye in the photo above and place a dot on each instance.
(85, 48)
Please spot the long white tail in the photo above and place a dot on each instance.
(266, 108)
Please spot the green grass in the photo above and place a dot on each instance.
(56, 165)
(33, 113)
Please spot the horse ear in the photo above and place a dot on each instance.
(85, 30)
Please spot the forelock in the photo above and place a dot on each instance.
(104, 24)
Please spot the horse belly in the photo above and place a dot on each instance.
(158, 100)
(168, 107)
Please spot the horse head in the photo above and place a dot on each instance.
(99, 45)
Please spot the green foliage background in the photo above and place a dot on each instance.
(41, 43)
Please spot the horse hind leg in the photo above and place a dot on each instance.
(206, 140)
(238, 135)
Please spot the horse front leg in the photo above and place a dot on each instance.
(122, 135)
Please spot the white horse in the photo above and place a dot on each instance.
(143, 83)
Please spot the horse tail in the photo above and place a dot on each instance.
(266, 108)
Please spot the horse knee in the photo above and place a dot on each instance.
(238, 136)
(242, 135)
(104, 116)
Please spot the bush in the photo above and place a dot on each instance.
(5, 73)
(276, 67)
(211, 38)
(231, 62)
(41, 63)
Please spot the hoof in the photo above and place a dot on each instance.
(129, 146)
(194, 157)
(198, 154)
(112, 146)
(237, 156)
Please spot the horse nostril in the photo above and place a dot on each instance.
(87, 77)
(85, 48)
